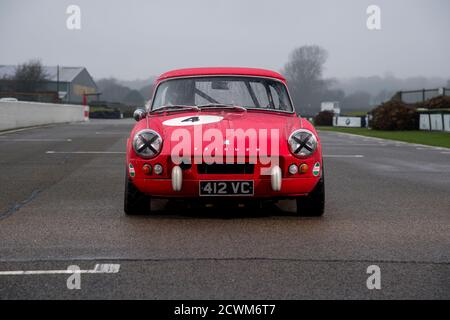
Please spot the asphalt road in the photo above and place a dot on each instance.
(61, 199)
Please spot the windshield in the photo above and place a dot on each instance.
(247, 92)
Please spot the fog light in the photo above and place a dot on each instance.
(304, 168)
(158, 169)
(293, 169)
(147, 169)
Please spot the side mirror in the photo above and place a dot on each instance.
(139, 114)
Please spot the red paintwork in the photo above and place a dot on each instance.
(220, 71)
(286, 123)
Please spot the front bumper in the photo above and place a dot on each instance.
(290, 187)
(176, 182)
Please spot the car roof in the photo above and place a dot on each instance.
(254, 72)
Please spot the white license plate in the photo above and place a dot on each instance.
(226, 188)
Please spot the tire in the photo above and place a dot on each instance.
(135, 202)
(313, 205)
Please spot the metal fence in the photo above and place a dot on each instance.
(413, 96)
(38, 91)
(51, 97)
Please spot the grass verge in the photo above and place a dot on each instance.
(430, 138)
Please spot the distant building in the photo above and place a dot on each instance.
(70, 85)
(332, 106)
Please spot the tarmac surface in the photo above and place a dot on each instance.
(61, 204)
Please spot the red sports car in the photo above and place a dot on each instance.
(223, 134)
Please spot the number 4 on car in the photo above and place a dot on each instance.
(211, 133)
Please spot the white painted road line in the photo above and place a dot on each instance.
(99, 268)
(2, 139)
(343, 156)
(26, 129)
(114, 133)
(354, 144)
(84, 152)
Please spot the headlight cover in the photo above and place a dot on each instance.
(302, 143)
(147, 143)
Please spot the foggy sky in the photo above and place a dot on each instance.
(137, 38)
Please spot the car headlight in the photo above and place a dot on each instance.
(147, 143)
(302, 143)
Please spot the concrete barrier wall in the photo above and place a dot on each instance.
(27, 114)
(355, 122)
(447, 122)
(435, 122)
(424, 123)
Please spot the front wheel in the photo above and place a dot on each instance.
(135, 202)
(313, 205)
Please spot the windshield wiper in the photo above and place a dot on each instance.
(220, 106)
(270, 110)
(174, 108)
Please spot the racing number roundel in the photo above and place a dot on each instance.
(191, 121)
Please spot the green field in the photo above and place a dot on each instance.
(437, 139)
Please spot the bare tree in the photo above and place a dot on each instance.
(304, 72)
(28, 76)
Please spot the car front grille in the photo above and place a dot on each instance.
(244, 168)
